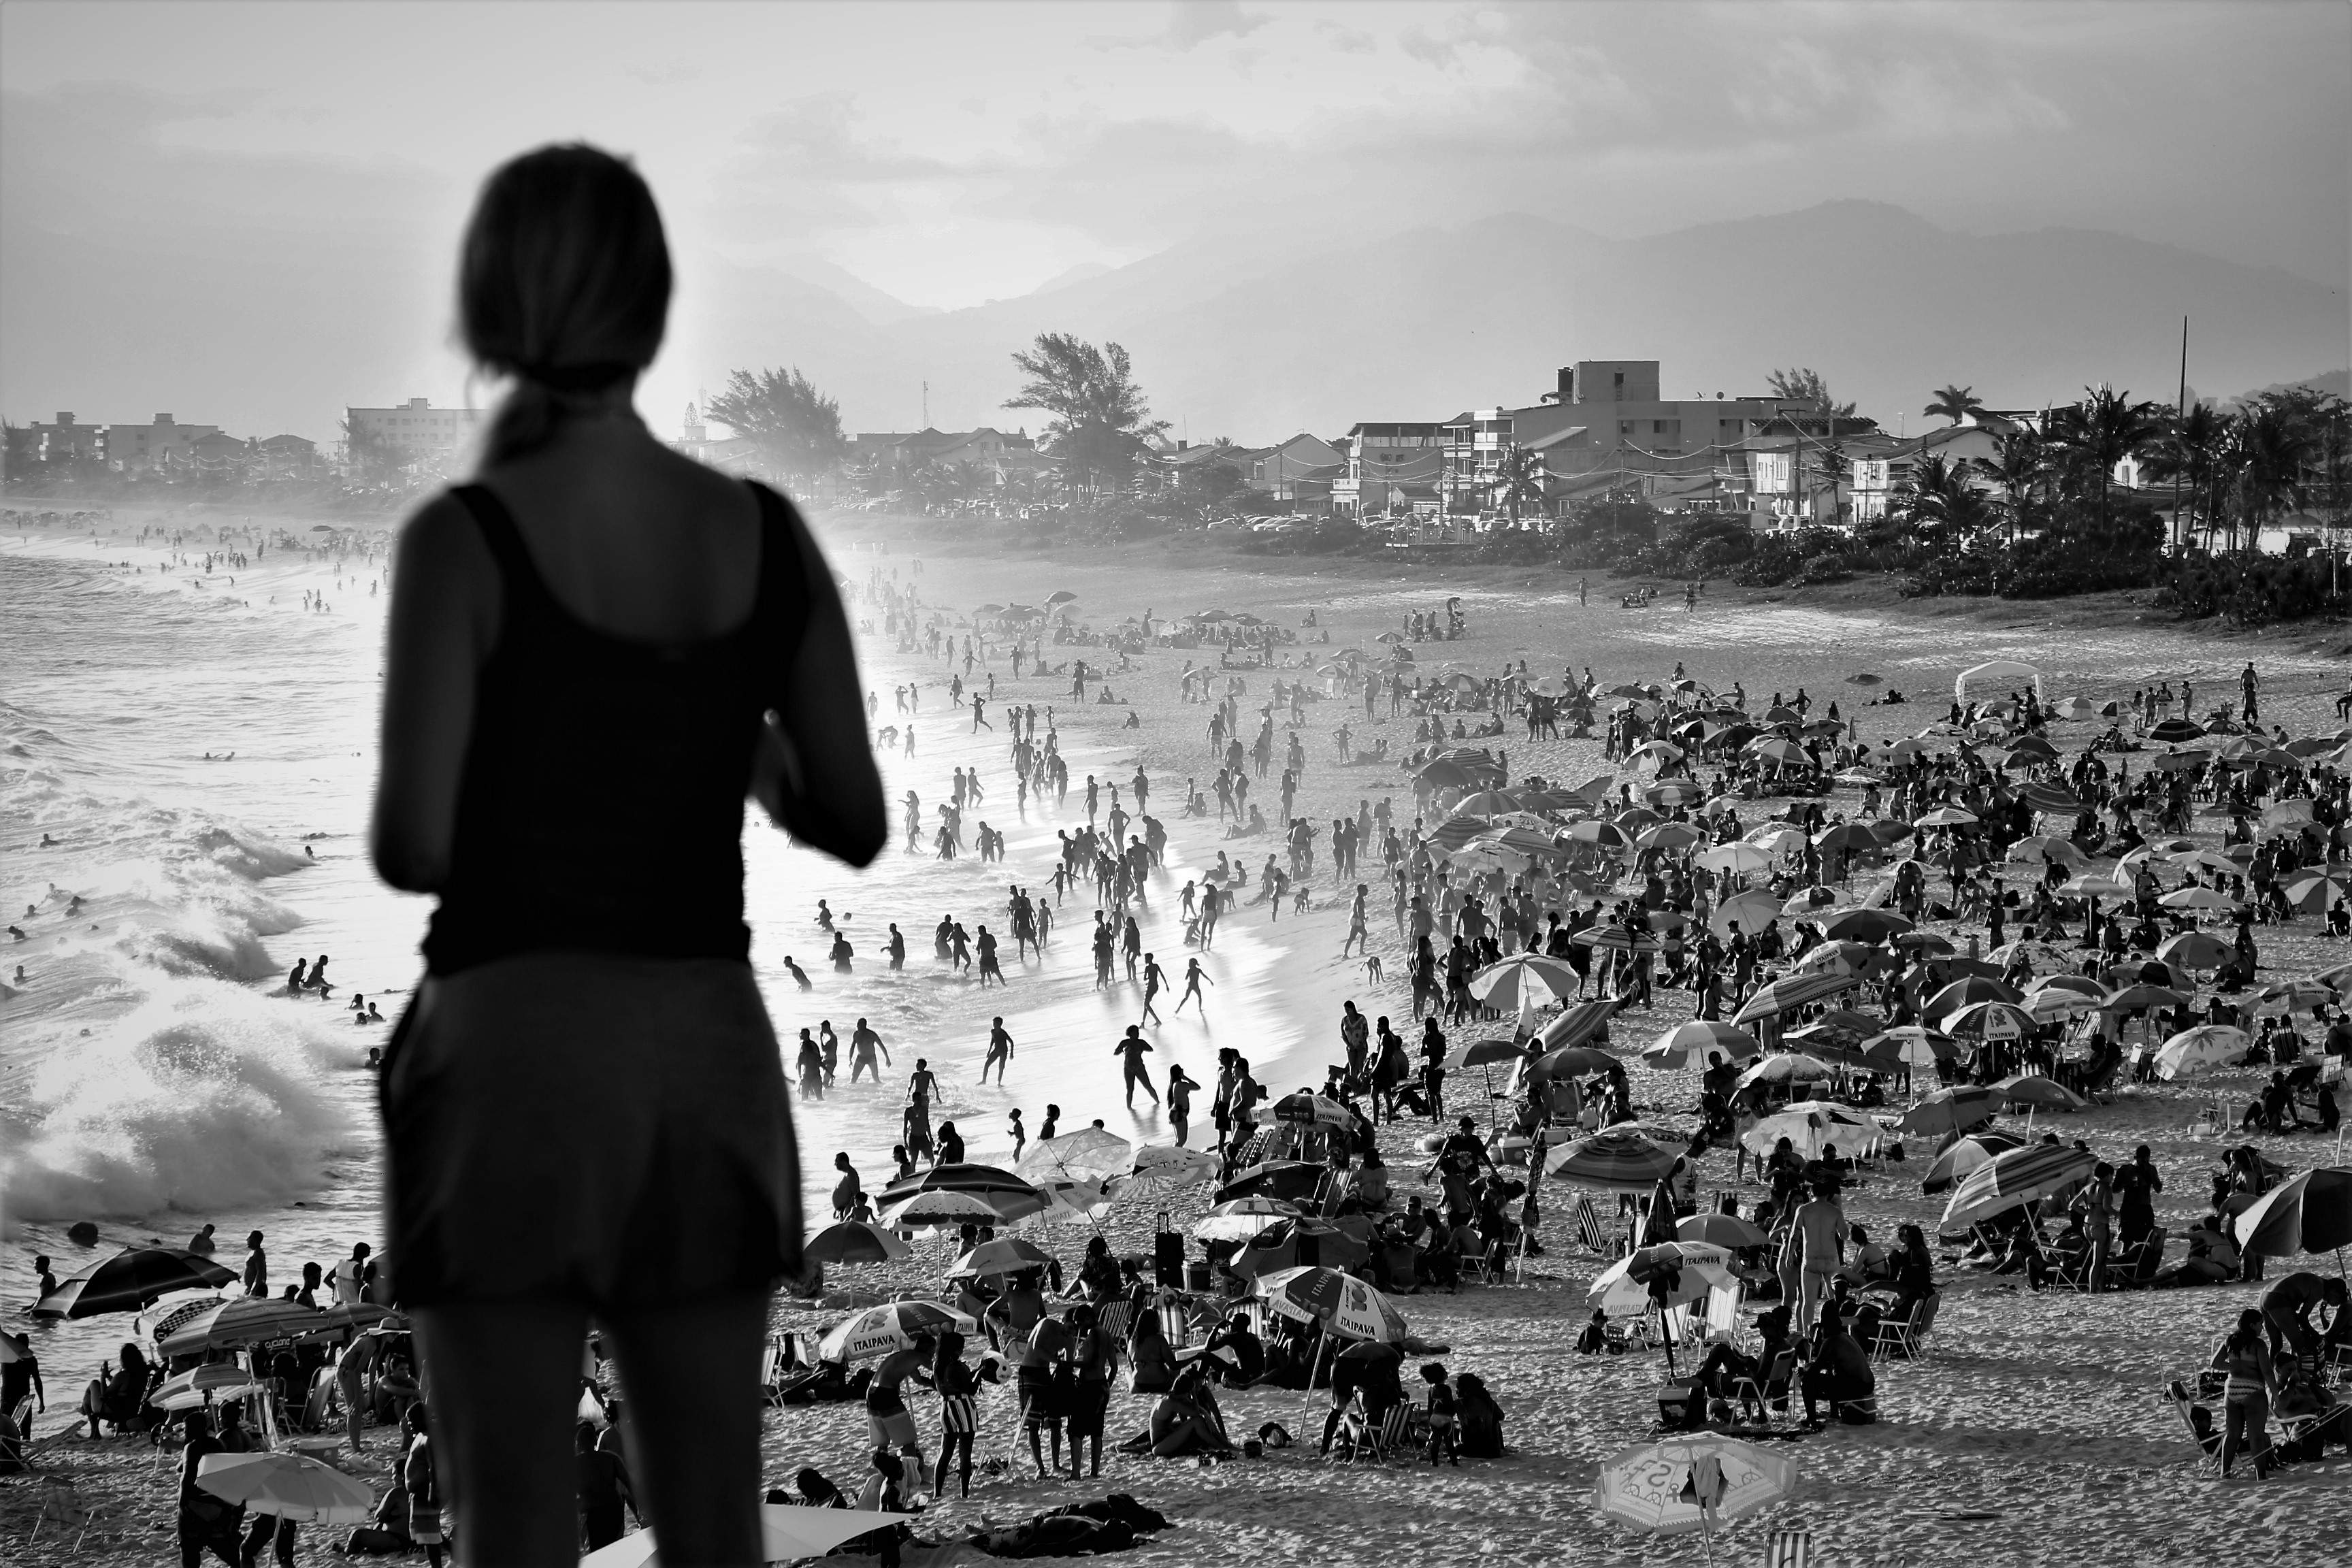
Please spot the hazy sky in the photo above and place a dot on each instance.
(246, 212)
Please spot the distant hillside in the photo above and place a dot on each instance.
(1258, 342)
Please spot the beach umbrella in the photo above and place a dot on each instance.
(2292, 996)
(2197, 897)
(1006, 1193)
(1166, 1168)
(1238, 1219)
(2046, 848)
(1071, 1204)
(855, 1242)
(2319, 891)
(1741, 857)
(1960, 993)
(2173, 731)
(1791, 992)
(1989, 1021)
(132, 1281)
(1606, 835)
(2304, 1214)
(1810, 1126)
(892, 1326)
(2013, 1180)
(1961, 1158)
(237, 1322)
(1309, 1109)
(1615, 1161)
(1777, 838)
(1673, 792)
(944, 1210)
(1911, 1045)
(2032, 1088)
(1695, 1483)
(788, 1534)
(1847, 958)
(1807, 902)
(1788, 1067)
(2089, 886)
(1487, 803)
(2048, 797)
(1669, 837)
(1489, 1053)
(2035, 954)
(2177, 762)
(1724, 1230)
(1577, 1023)
(1300, 1242)
(1689, 1043)
(1753, 911)
(1862, 925)
(1945, 816)
(2195, 949)
(289, 1486)
(1569, 1061)
(1292, 1180)
(1340, 1305)
(2053, 1004)
(1849, 836)
(1684, 1271)
(1081, 1154)
(995, 1258)
(1617, 939)
(1502, 986)
(201, 1385)
(1780, 752)
(2140, 996)
(2201, 1050)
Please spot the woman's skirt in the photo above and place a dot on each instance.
(592, 1128)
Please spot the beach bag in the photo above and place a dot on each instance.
(1682, 1406)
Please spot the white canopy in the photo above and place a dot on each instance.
(2007, 671)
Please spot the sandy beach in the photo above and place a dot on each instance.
(2031, 1430)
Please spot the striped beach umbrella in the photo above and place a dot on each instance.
(201, 1385)
(1961, 1161)
(1577, 1023)
(2309, 1213)
(1614, 1162)
(237, 1322)
(2013, 1180)
(1501, 986)
(1341, 1305)
(1989, 1021)
(1793, 992)
(892, 1326)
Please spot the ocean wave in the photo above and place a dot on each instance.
(205, 1096)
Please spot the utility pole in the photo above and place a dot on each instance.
(926, 405)
(2180, 414)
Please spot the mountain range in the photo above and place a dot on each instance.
(1260, 340)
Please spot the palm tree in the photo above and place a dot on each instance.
(1519, 480)
(1955, 404)
(1939, 503)
(2276, 447)
(2019, 465)
(2193, 458)
(2107, 427)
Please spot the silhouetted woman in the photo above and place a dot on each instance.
(585, 1106)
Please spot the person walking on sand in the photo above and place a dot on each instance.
(1000, 1051)
(1194, 978)
(1154, 980)
(1133, 1049)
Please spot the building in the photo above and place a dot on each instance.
(1607, 429)
(418, 434)
(288, 458)
(164, 445)
(1301, 470)
(63, 440)
(1392, 467)
(894, 455)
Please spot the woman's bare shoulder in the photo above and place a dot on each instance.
(440, 536)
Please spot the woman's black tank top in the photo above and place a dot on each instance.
(601, 807)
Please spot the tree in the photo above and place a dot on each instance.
(2194, 456)
(1519, 482)
(1804, 385)
(2019, 465)
(2278, 443)
(1101, 418)
(796, 428)
(2103, 429)
(1953, 403)
(1939, 504)
(368, 457)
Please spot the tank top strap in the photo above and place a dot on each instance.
(524, 587)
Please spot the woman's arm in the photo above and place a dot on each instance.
(443, 622)
(813, 770)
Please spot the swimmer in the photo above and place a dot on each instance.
(17, 933)
(375, 1055)
(1000, 1053)
(800, 977)
(823, 916)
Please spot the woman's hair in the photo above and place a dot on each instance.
(563, 283)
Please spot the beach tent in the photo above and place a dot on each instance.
(1996, 672)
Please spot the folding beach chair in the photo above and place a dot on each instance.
(1788, 1549)
(2135, 1265)
(2175, 1394)
(1590, 1229)
(1723, 1312)
(1772, 1381)
(63, 1505)
(1906, 1336)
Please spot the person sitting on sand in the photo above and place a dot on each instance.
(1186, 1421)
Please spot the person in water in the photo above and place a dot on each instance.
(615, 1079)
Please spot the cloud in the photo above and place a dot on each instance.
(1191, 24)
